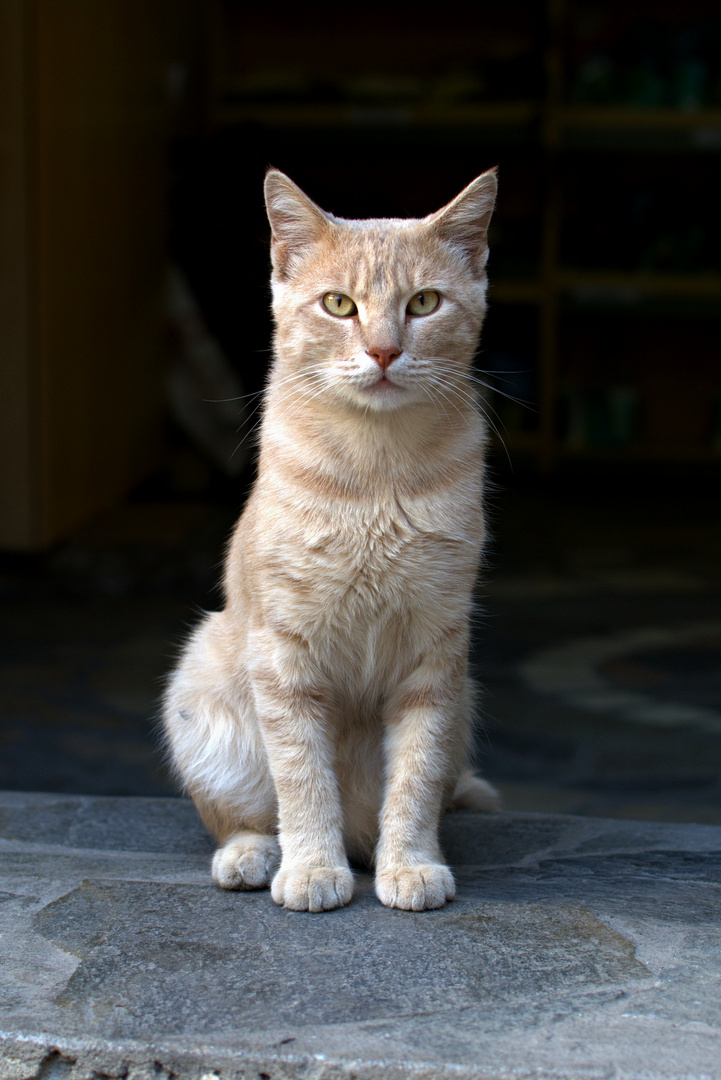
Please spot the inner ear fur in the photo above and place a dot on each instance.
(295, 220)
(464, 221)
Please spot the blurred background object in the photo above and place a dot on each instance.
(135, 138)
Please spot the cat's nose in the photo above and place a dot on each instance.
(384, 357)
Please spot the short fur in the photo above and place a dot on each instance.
(327, 709)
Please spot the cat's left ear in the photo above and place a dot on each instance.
(295, 220)
(464, 221)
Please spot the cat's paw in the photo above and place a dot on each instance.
(312, 888)
(246, 861)
(415, 888)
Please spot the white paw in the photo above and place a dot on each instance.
(312, 888)
(415, 888)
(246, 861)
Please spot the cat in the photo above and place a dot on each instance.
(326, 712)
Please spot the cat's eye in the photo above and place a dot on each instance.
(423, 303)
(339, 304)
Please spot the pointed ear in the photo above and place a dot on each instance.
(295, 220)
(464, 221)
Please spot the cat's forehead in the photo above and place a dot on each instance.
(374, 255)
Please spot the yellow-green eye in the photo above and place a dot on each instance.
(423, 303)
(339, 304)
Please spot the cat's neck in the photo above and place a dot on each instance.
(411, 447)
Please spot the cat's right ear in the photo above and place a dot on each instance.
(295, 220)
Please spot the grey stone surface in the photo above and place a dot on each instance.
(576, 948)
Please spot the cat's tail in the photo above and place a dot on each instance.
(473, 793)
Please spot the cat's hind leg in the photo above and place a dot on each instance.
(248, 853)
(247, 860)
(217, 750)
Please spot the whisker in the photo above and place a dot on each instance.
(285, 386)
(473, 375)
(438, 391)
(503, 393)
(471, 401)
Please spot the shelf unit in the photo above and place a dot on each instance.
(553, 141)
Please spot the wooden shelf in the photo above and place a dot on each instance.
(632, 118)
(629, 287)
(609, 286)
(509, 114)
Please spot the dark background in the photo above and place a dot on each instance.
(136, 136)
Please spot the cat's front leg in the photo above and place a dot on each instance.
(420, 736)
(295, 714)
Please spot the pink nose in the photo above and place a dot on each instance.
(384, 357)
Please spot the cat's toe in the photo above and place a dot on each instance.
(415, 888)
(312, 888)
(246, 861)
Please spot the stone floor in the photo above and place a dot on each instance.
(582, 943)
(576, 948)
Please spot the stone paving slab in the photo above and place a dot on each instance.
(576, 948)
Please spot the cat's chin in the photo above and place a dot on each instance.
(385, 402)
(382, 396)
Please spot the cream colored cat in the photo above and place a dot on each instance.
(327, 710)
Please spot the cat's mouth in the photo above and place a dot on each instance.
(384, 383)
(382, 390)
(382, 394)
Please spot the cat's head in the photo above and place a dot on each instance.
(383, 313)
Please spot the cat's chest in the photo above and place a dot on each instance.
(390, 556)
(367, 551)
